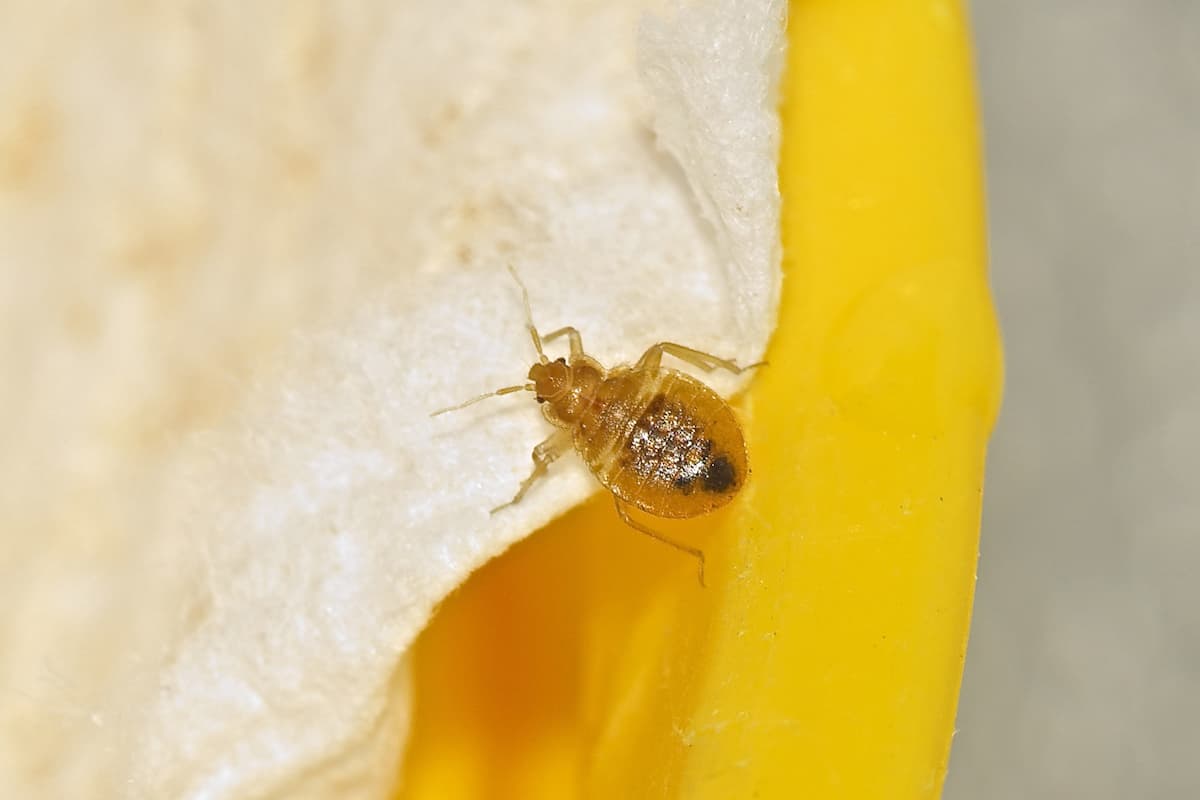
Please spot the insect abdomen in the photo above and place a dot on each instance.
(664, 442)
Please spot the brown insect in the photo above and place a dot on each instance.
(657, 438)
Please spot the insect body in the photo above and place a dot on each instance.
(657, 438)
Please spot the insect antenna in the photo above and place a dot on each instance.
(533, 333)
(525, 387)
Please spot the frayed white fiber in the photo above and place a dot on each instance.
(229, 512)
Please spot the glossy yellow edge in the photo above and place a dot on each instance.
(824, 659)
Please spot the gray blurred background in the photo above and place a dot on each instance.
(1083, 675)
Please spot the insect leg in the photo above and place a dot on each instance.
(705, 361)
(572, 335)
(543, 455)
(640, 528)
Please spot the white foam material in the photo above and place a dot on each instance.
(228, 513)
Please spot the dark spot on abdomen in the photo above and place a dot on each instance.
(684, 483)
(719, 476)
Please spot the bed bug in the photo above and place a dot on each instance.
(658, 439)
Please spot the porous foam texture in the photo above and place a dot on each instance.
(245, 249)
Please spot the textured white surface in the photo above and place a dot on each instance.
(244, 251)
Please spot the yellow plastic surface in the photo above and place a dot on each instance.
(825, 657)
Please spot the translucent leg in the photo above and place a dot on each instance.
(652, 358)
(572, 336)
(640, 528)
(543, 455)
